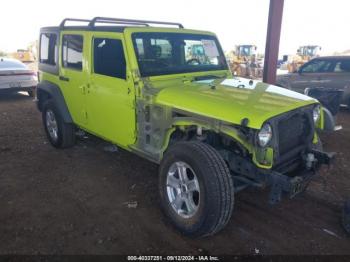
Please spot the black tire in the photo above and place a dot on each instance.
(66, 131)
(216, 189)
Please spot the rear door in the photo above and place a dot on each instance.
(110, 95)
(73, 74)
(339, 78)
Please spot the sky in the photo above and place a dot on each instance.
(318, 22)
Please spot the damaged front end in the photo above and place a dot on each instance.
(228, 119)
(289, 161)
(292, 185)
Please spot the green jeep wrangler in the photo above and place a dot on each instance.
(166, 94)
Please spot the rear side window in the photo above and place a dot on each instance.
(48, 49)
(342, 66)
(109, 59)
(72, 51)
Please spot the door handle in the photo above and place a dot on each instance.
(63, 78)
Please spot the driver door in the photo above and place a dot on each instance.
(110, 95)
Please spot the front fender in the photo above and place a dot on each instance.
(215, 126)
(220, 128)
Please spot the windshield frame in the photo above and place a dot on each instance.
(209, 68)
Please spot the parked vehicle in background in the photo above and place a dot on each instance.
(327, 72)
(167, 94)
(16, 76)
(304, 54)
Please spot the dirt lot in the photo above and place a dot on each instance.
(75, 201)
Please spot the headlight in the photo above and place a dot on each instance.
(265, 135)
(316, 113)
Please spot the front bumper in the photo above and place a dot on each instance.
(293, 185)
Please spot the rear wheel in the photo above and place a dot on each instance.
(196, 189)
(59, 133)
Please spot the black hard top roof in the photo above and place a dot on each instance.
(338, 57)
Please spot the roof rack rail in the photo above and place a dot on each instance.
(116, 22)
(62, 24)
(129, 22)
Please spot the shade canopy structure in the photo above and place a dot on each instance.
(274, 25)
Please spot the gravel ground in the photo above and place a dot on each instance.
(87, 201)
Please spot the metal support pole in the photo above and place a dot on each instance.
(272, 41)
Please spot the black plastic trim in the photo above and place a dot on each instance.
(45, 90)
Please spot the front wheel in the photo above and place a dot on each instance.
(196, 189)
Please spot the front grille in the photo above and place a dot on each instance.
(293, 132)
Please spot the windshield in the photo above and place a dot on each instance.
(174, 53)
(246, 50)
(309, 51)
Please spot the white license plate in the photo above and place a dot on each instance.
(15, 84)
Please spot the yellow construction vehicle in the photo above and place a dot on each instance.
(304, 54)
(244, 61)
(23, 55)
(28, 55)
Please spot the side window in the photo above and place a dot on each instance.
(48, 49)
(72, 51)
(318, 66)
(342, 66)
(109, 59)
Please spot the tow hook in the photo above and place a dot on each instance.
(310, 160)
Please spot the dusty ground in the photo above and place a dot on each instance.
(75, 201)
